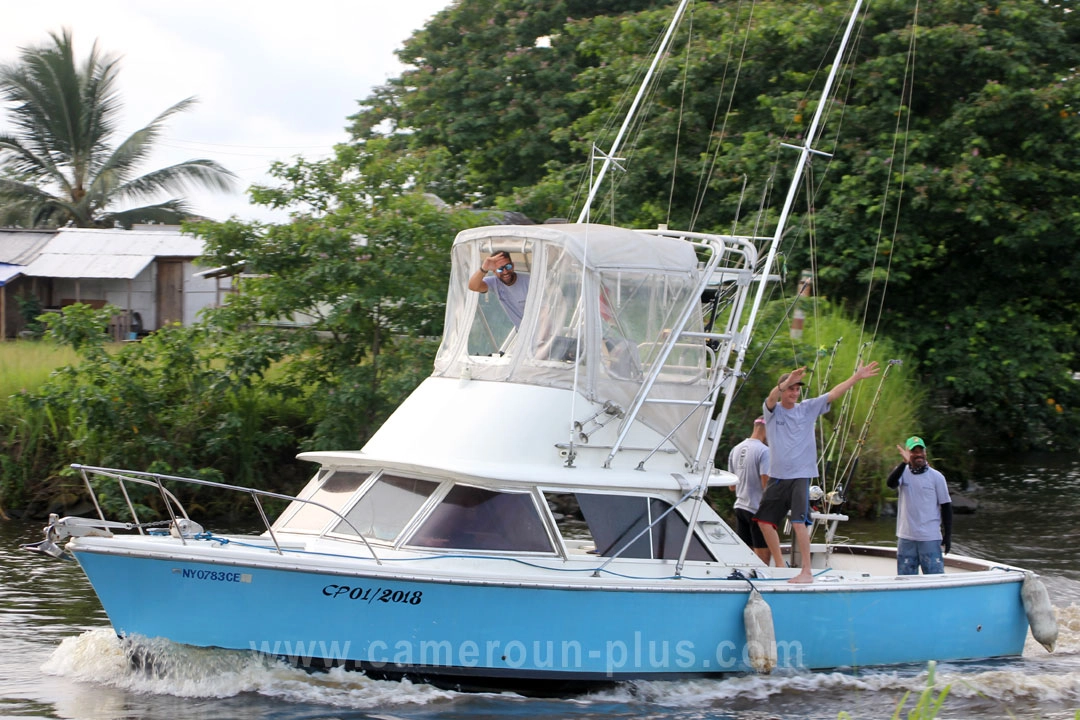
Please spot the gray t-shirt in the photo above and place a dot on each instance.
(749, 460)
(921, 497)
(511, 297)
(792, 452)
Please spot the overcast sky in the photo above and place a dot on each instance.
(274, 80)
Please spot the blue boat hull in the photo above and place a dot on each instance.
(462, 630)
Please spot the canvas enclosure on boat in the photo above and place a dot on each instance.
(601, 305)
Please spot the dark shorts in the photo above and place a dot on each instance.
(748, 530)
(781, 495)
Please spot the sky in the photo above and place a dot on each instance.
(273, 80)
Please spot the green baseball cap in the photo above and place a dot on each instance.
(915, 441)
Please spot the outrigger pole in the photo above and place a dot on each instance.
(804, 156)
(610, 158)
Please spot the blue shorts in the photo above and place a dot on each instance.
(914, 554)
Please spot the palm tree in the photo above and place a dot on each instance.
(57, 168)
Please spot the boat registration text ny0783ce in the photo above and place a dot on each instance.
(370, 595)
(215, 575)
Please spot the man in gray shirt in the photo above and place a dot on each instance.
(925, 508)
(793, 459)
(749, 460)
(510, 287)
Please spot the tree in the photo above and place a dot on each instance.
(951, 133)
(58, 167)
(365, 260)
(488, 92)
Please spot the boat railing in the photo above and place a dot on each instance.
(175, 508)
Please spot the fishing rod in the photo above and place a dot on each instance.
(827, 446)
(836, 439)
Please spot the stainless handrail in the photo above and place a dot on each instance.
(156, 479)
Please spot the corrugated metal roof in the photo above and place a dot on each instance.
(20, 247)
(9, 273)
(159, 243)
(57, 265)
(79, 253)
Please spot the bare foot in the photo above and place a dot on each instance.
(803, 577)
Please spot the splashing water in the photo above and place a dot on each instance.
(1039, 681)
(161, 667)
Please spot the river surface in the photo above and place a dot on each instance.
(60, 659)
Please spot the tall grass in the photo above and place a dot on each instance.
(167, 404)
(858, 436)
(26, 364)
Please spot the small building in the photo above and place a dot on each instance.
(17, 249)
(149, 272)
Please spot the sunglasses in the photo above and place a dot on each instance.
(505, 268)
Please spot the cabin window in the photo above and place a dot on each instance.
(334, 492)
(493, 329)
(386, 507)
(472, 518)
(613, 520)
(559, 316)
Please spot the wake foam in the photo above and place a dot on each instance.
(161, 667)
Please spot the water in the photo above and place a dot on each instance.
(61, 660)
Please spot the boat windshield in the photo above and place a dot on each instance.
(330, 488)
(474, 518)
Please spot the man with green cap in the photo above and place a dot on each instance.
(924, 513)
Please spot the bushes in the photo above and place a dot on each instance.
(163, 405)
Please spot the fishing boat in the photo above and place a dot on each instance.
(533, 515)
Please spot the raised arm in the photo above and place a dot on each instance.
(476, 280)
(861, 374)
(776, 394)
(893, 481)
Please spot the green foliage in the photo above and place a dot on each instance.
(927, 706)
(57, 168)
(165, 404)
(30, 310)
(337, 320)
(81, 327)
(949, 199)
(482, 102)
(365, 261)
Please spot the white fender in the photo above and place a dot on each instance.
(760, 635)
(1040, 613)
